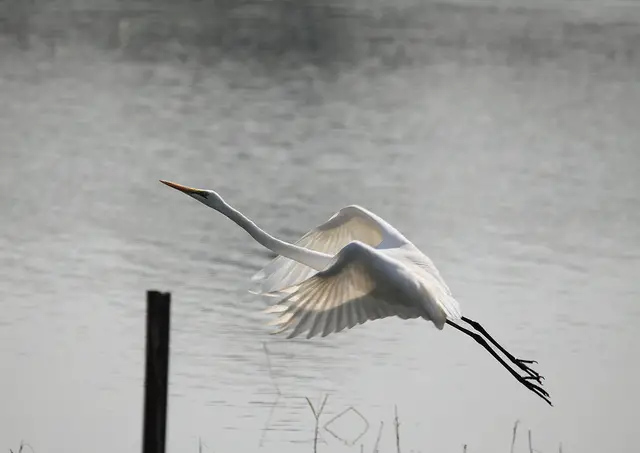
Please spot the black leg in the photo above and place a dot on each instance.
(520, 363)
(526, 381)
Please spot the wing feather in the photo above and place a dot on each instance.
(351, 223)
(345, 294)
(352, 313)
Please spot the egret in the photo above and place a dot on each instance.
(353, 268)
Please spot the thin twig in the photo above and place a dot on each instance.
(278, 395)
(273, 381)
(530, 445)
(327, 425)
(22, 445)
(202, 445)
(464, 448)
(316, 416)
(375, 447)
(513, 438)
(397, 425)
(268, 423)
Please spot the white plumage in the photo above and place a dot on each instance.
(354, 268)
(375, 272)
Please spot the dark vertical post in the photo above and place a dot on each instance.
(156, 372)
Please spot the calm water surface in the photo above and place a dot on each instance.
(509, 154)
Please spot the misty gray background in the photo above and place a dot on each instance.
(501, 137)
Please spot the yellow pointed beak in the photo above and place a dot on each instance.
(186, 189)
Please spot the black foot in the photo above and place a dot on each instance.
(538, 379)
(527, 361)
(530, 371)
(542, 393)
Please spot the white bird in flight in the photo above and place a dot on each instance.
(353, 268)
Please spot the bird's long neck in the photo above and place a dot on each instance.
(311, 258)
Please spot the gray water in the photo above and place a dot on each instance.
(505, 143)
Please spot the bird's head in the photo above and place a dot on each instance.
(208, 197)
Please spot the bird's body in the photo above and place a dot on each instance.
(353, 268)
(372, 271)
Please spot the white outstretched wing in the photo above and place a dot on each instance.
(343, 295)
(351, 223)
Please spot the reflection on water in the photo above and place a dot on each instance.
(504, 143)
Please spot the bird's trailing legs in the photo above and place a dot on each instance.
(524, 380)
(520, 363)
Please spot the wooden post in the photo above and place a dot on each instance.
(156, 372)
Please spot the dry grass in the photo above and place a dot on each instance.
(316, 416)
(376, 447)
(22, 447)
(317, 413)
